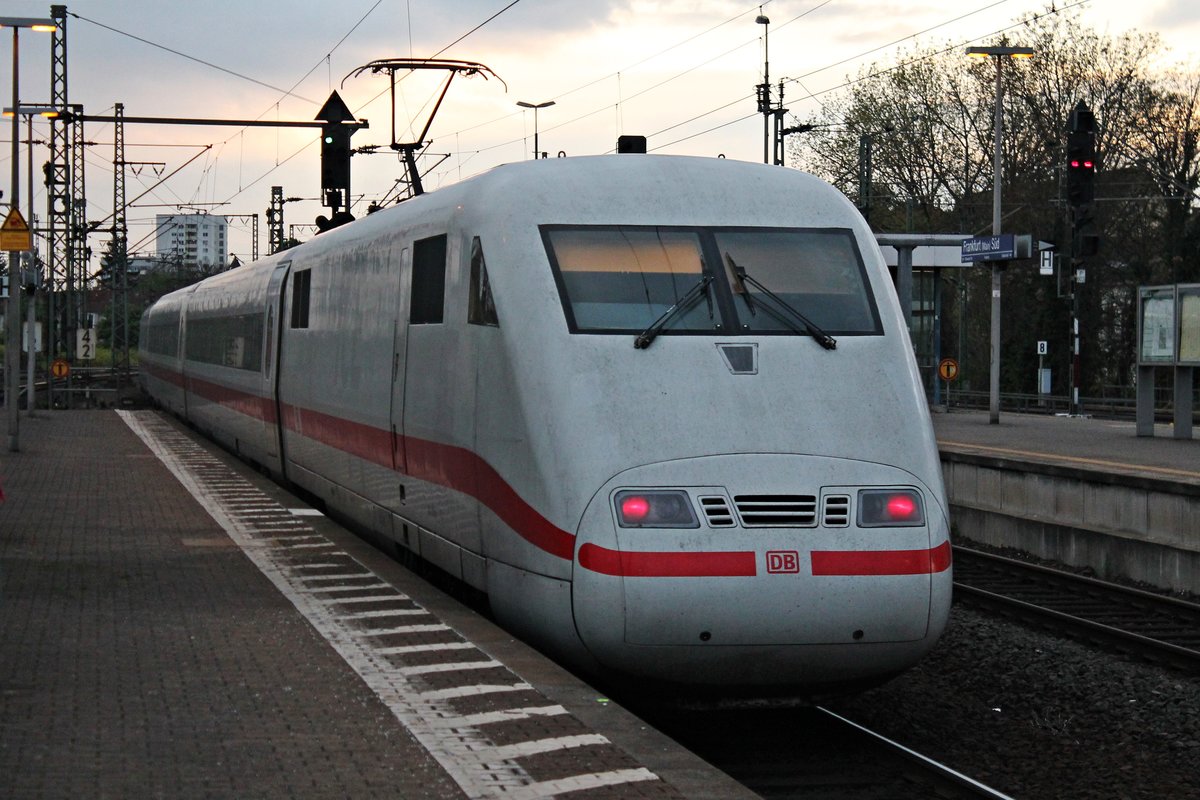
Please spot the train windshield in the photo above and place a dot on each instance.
(624, 279)
(818, 273)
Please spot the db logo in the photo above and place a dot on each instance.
(783, 561)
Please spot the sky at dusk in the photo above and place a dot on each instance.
(680, 73)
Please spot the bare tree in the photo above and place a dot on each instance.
(930, 116)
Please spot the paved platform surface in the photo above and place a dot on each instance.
(173, 625)
(1110, 446)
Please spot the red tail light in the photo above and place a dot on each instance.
(879, 508)
(660, 508)
(901, 507)
(634, 508)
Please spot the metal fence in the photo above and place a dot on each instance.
(1115, 402)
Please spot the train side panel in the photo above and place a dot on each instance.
(338, 321)
(160, 353)
(224, 352)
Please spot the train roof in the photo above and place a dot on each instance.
(649, 189)
(629, 189)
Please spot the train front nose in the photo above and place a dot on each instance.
(761, 570)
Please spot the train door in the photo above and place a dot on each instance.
(439, 398)
(398, 367)
(273, 352)
(184, 377)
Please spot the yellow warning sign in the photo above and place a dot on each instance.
(948, 369)
(14, 233)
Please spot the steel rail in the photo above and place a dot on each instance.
(950, 782)
(1090, 590)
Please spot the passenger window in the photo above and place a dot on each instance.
(482, 308)
(300, 291)
(428, 281)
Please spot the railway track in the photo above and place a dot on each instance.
(784, 750)
(1151, 626)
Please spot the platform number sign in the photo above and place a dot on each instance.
(85, 344)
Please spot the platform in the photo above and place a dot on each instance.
(174, 625)
(1085, 443)
(1082, 491)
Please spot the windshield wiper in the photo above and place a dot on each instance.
(647, 336)
(823, 338)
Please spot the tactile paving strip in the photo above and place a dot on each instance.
(493, 733)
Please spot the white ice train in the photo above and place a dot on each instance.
(662, 410)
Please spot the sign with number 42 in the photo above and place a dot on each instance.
(85, 344)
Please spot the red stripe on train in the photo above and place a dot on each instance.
(882, 562)
(446, 465)
(252, 405)
(634, 564)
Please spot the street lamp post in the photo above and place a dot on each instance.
(1000, 54)
(29, 112)
(535, 106)
(12, 319)
(764, 88)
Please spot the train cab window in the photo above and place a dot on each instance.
(684, 280)
(301, 285)
(481, 309)
(817, 272)
(428, 281)
(617, 279)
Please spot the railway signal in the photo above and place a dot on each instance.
(1081, 179)
(1081, 197)
(339, 125)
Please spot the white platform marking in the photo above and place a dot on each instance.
(481, 769)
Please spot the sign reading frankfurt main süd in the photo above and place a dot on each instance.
(998, 247)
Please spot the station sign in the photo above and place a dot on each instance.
(990, 248)
(997, 247)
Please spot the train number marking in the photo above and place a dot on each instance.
(786, 562)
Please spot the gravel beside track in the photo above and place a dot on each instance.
(1038, 717)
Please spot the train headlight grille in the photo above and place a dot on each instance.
(777, 510)
(835, 510)
(717, 511)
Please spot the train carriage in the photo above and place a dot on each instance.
(663, 410)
